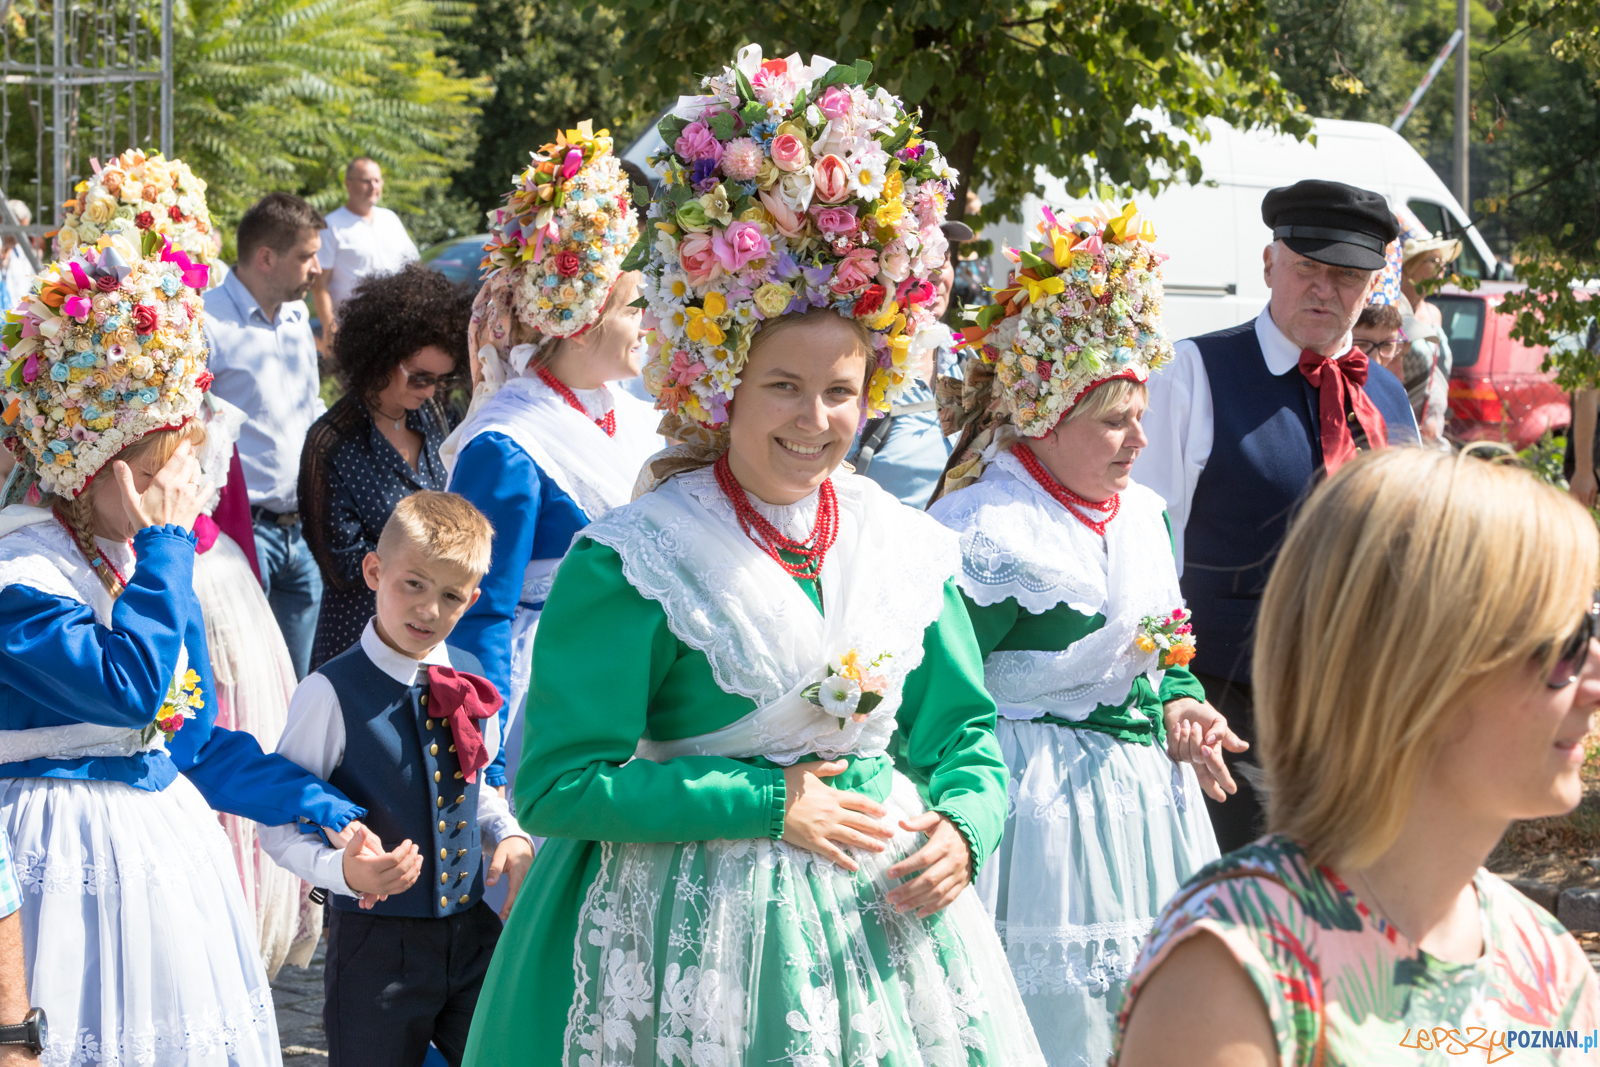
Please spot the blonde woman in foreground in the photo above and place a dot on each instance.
(1425, 672)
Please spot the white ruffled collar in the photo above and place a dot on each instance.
(796, 520)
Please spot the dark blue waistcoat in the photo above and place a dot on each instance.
(1266, 454)
(401, 763)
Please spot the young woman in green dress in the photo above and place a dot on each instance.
(758, 737)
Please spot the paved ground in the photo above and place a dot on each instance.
(297, 994)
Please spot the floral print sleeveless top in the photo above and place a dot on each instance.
(1343, 988)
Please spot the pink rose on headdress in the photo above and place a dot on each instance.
(698, 142)
(568, 263)
(145, 318)
(739, 244)
(835, 102)
(835, 221)
(854, 272)
(698, 258)
(896, 261)
(788, 153)
(832, 179)
(783, 217)
(741, 160)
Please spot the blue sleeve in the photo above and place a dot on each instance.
(55, 649)
(503, 482)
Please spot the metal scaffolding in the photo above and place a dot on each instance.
(82, 79)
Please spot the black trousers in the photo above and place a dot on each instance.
(392, 985)
(1241, 818)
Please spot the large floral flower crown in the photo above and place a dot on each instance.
(788, 186)
(1084, 308)
(104, 348)
(133, 194)
(559, 242)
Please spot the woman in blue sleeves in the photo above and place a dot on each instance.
(138, 942)
(547, 448)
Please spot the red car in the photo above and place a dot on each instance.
(1497, 391)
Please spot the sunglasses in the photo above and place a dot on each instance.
(415, 380)
(1575, 652)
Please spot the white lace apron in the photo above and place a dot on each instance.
(595, 470)
(37, 551)
(1016, 541)
(746, 952)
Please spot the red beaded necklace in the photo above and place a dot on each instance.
(770, 539)
(1075, 504)
(608, 424)
(101, 561)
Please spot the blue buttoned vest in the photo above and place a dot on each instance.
(400, 763)
(1266, 455)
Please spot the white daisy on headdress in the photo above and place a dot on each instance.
(868, 172)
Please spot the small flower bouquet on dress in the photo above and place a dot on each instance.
(851, 691)
(1171, 633)
(182, 694)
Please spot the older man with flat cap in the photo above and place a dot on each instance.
(1246, 420)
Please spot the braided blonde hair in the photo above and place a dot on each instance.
(78, 513)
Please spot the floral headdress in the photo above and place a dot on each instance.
(134, 194)
(788, 186)
(105, 348)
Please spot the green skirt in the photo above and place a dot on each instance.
(745, 953)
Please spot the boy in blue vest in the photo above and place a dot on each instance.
(399, 722)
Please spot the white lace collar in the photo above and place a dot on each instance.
(596, 402)
(795, 520)
(1010, 464)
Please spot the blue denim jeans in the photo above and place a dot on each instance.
(293, 584)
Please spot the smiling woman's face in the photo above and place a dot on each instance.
(796, 409)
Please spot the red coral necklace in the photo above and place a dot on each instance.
(767, 537)
(1075, 504)
(608, 424)
(101, 561)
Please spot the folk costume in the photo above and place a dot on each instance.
(539, 459)
(1081, 625)
(409, 740)
(140, 946)
(1241, 425)
(254, 679)
(666, 921)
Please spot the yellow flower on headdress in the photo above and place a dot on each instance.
(1038, 288)
(702, 325)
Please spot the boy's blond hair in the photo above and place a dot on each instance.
(1409, 580)
(444, 527)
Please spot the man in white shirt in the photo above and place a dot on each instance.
(360, 239)
(1245, 421)
(264, 358)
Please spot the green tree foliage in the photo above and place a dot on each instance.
(281, 94)
(550, 67)
(1008, 86)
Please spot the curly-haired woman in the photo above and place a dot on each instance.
(400, 335)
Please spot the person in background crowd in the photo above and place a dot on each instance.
(265, 361)
(1377, 334)
(398, 722)
(14, 1004)
(905, 451)
(1426, 360)
(16, 273)
(1583, 444)
(359, 239)
(380, 442)
(1426, 671)
(1245, 420)
(549, 445)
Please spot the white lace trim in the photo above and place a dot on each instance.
(1016, 936)
(1017, 541)
(223, 423)
(212, 1034)
(882, 586)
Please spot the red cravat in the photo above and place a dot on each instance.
(460, 698)
(1331, 378)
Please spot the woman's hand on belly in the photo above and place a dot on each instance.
(945, 862)
(825, 820)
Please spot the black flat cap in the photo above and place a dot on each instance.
(1331, 222)
(957, 232)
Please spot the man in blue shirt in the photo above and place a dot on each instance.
(906, 450)
(14, 1001)
(264, 357)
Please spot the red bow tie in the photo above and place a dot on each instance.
(460, 698)
(1332, 378)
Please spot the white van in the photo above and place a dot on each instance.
(1214, 232)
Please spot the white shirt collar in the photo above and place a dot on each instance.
(401, 668)
(1281, 354)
